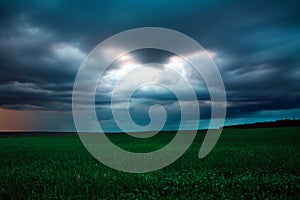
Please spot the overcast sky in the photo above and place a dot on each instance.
(255, 44)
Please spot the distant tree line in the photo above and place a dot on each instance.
(278, 123)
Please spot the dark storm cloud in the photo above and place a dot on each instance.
(256, 43)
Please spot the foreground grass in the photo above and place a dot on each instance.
(245, 164)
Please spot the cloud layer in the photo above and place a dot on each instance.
(255, 44)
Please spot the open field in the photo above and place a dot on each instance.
(245, 164)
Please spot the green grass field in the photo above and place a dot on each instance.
(245, 164)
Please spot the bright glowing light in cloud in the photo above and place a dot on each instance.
(178, 64)
(150, 72)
